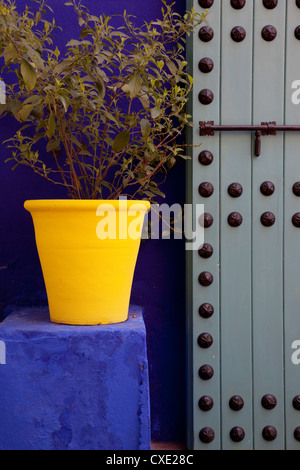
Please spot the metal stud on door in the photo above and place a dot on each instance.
(243, 282)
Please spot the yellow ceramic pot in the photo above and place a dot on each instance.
(88, 251)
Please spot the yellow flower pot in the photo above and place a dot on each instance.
(88, 251)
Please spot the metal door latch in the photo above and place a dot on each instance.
(209, 128)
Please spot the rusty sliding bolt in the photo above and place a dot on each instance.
(257, 143)
(209, 128)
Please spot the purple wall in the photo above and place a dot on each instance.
(159, 279)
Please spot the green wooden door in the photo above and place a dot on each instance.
(243, 289)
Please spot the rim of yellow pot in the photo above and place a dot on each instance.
(84, 204)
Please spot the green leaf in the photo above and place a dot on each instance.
(3, 108)
(35, 57)
(73, 42)
(134, 85)
(145, 128)
(93, 18)
(148, 193)
(10, 53)
(3, 21)
(56, 52)
(110, 117)
(80, 21)
(63, 101)
(191, 79)
(145, 101)
(131, 120)
(85, 152)
(29, 75)
(121, 141)
(25, 111)
(157, 192)
(34, 99)
(63, 66)
(53, 145)
(155, 112)
(13, 107)
(45, 169)
(51, 126)
(172, 67)
(38, 17)
(100, 88)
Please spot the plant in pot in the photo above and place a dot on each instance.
(103, 119)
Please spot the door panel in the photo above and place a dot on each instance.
(209, 295)
(267, 289)
(247, 402)
(291, 233)
(235, 251)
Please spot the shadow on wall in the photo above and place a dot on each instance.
(159, 286)
(159, 278)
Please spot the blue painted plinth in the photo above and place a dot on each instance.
(73, 387)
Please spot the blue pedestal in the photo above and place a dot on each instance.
(73, 387)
